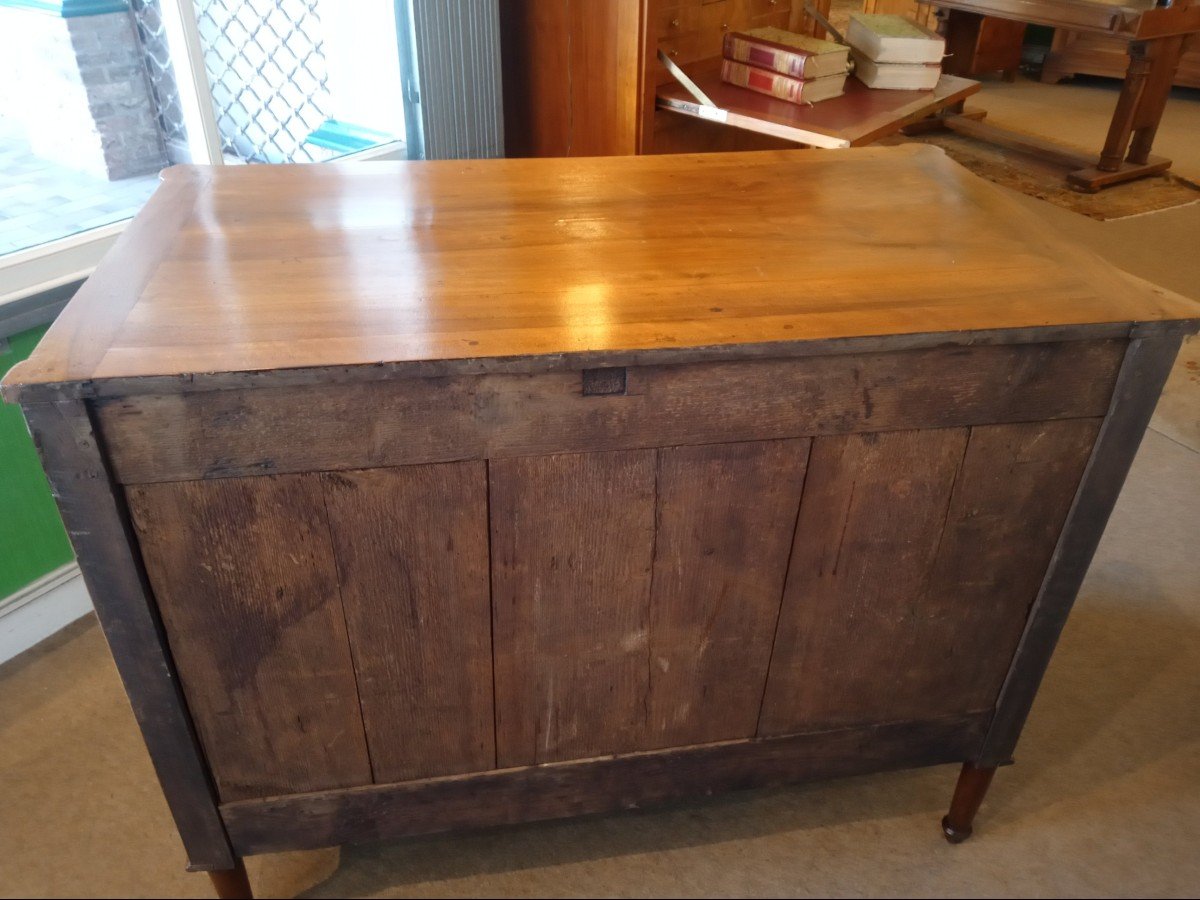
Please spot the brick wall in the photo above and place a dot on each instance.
(77, 88)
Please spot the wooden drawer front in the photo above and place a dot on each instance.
(635, 595)
(308, 613)
(419, 420)
(917, 557)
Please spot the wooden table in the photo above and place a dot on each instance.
(1155, 37)
(434, 495)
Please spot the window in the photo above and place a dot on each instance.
(98, 96)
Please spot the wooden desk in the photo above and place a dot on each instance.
(425, 496)
(858, 117)
(1155, 38)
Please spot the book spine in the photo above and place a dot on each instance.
(742, 49)
(770, 83)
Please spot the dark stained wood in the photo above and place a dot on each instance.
(245, 578)
(97, 522)
(1011, 497)
(232, 884)
(165, 437)
(937, 637)
(1147, 364)
(1141, 56)
(412, 554)
(1093, 178)
(572, 540)
(972, 787)
(1154, 97)
(976, 45)
(873, 511)
(582, 360)
(726, 513)
(527, 794)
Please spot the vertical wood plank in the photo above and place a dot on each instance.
(245, 579)
(873, 510)
(412, 553)
(1144, 371)
(572, 542)
(1009, 504)
(726, 514)
(98, 524)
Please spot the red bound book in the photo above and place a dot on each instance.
(785, 52)
(794, 90)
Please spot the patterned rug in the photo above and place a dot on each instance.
(1047, 181)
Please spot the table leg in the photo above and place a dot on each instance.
(1127, 107)
(1163, 64)
(232, 884)
(973, 783)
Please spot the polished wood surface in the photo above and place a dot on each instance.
(571, 72)
(266, 268)
(860, 116)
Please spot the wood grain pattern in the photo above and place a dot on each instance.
(412, 554)
(245, 578)
(1147, 364)
(1011, 497)
(928, 627)
(571, 71)
(726, 513)
(94, 514)
(872, 514)
(478, 259)
(572, 538)
(551, 791)
(241, 432)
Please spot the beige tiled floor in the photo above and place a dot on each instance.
(1104, 799)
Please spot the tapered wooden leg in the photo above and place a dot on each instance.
(973, 783)
(232, 884)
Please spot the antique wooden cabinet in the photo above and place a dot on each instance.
(423, 496)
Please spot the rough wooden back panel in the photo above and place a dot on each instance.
(213, 434)
(418, 617)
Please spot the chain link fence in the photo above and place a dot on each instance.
(266, 69)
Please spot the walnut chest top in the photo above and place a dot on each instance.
(460, 266)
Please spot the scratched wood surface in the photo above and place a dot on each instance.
(336, 426)
(257, 268)
(1009, 503)
(917, 558)
(873, 510)
(246, 582)
(412, 555)
(572, 545)
(725, 515)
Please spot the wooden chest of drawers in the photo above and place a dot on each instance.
(435, 495)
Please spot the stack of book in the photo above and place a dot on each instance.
(783, 64)
(894, 53)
